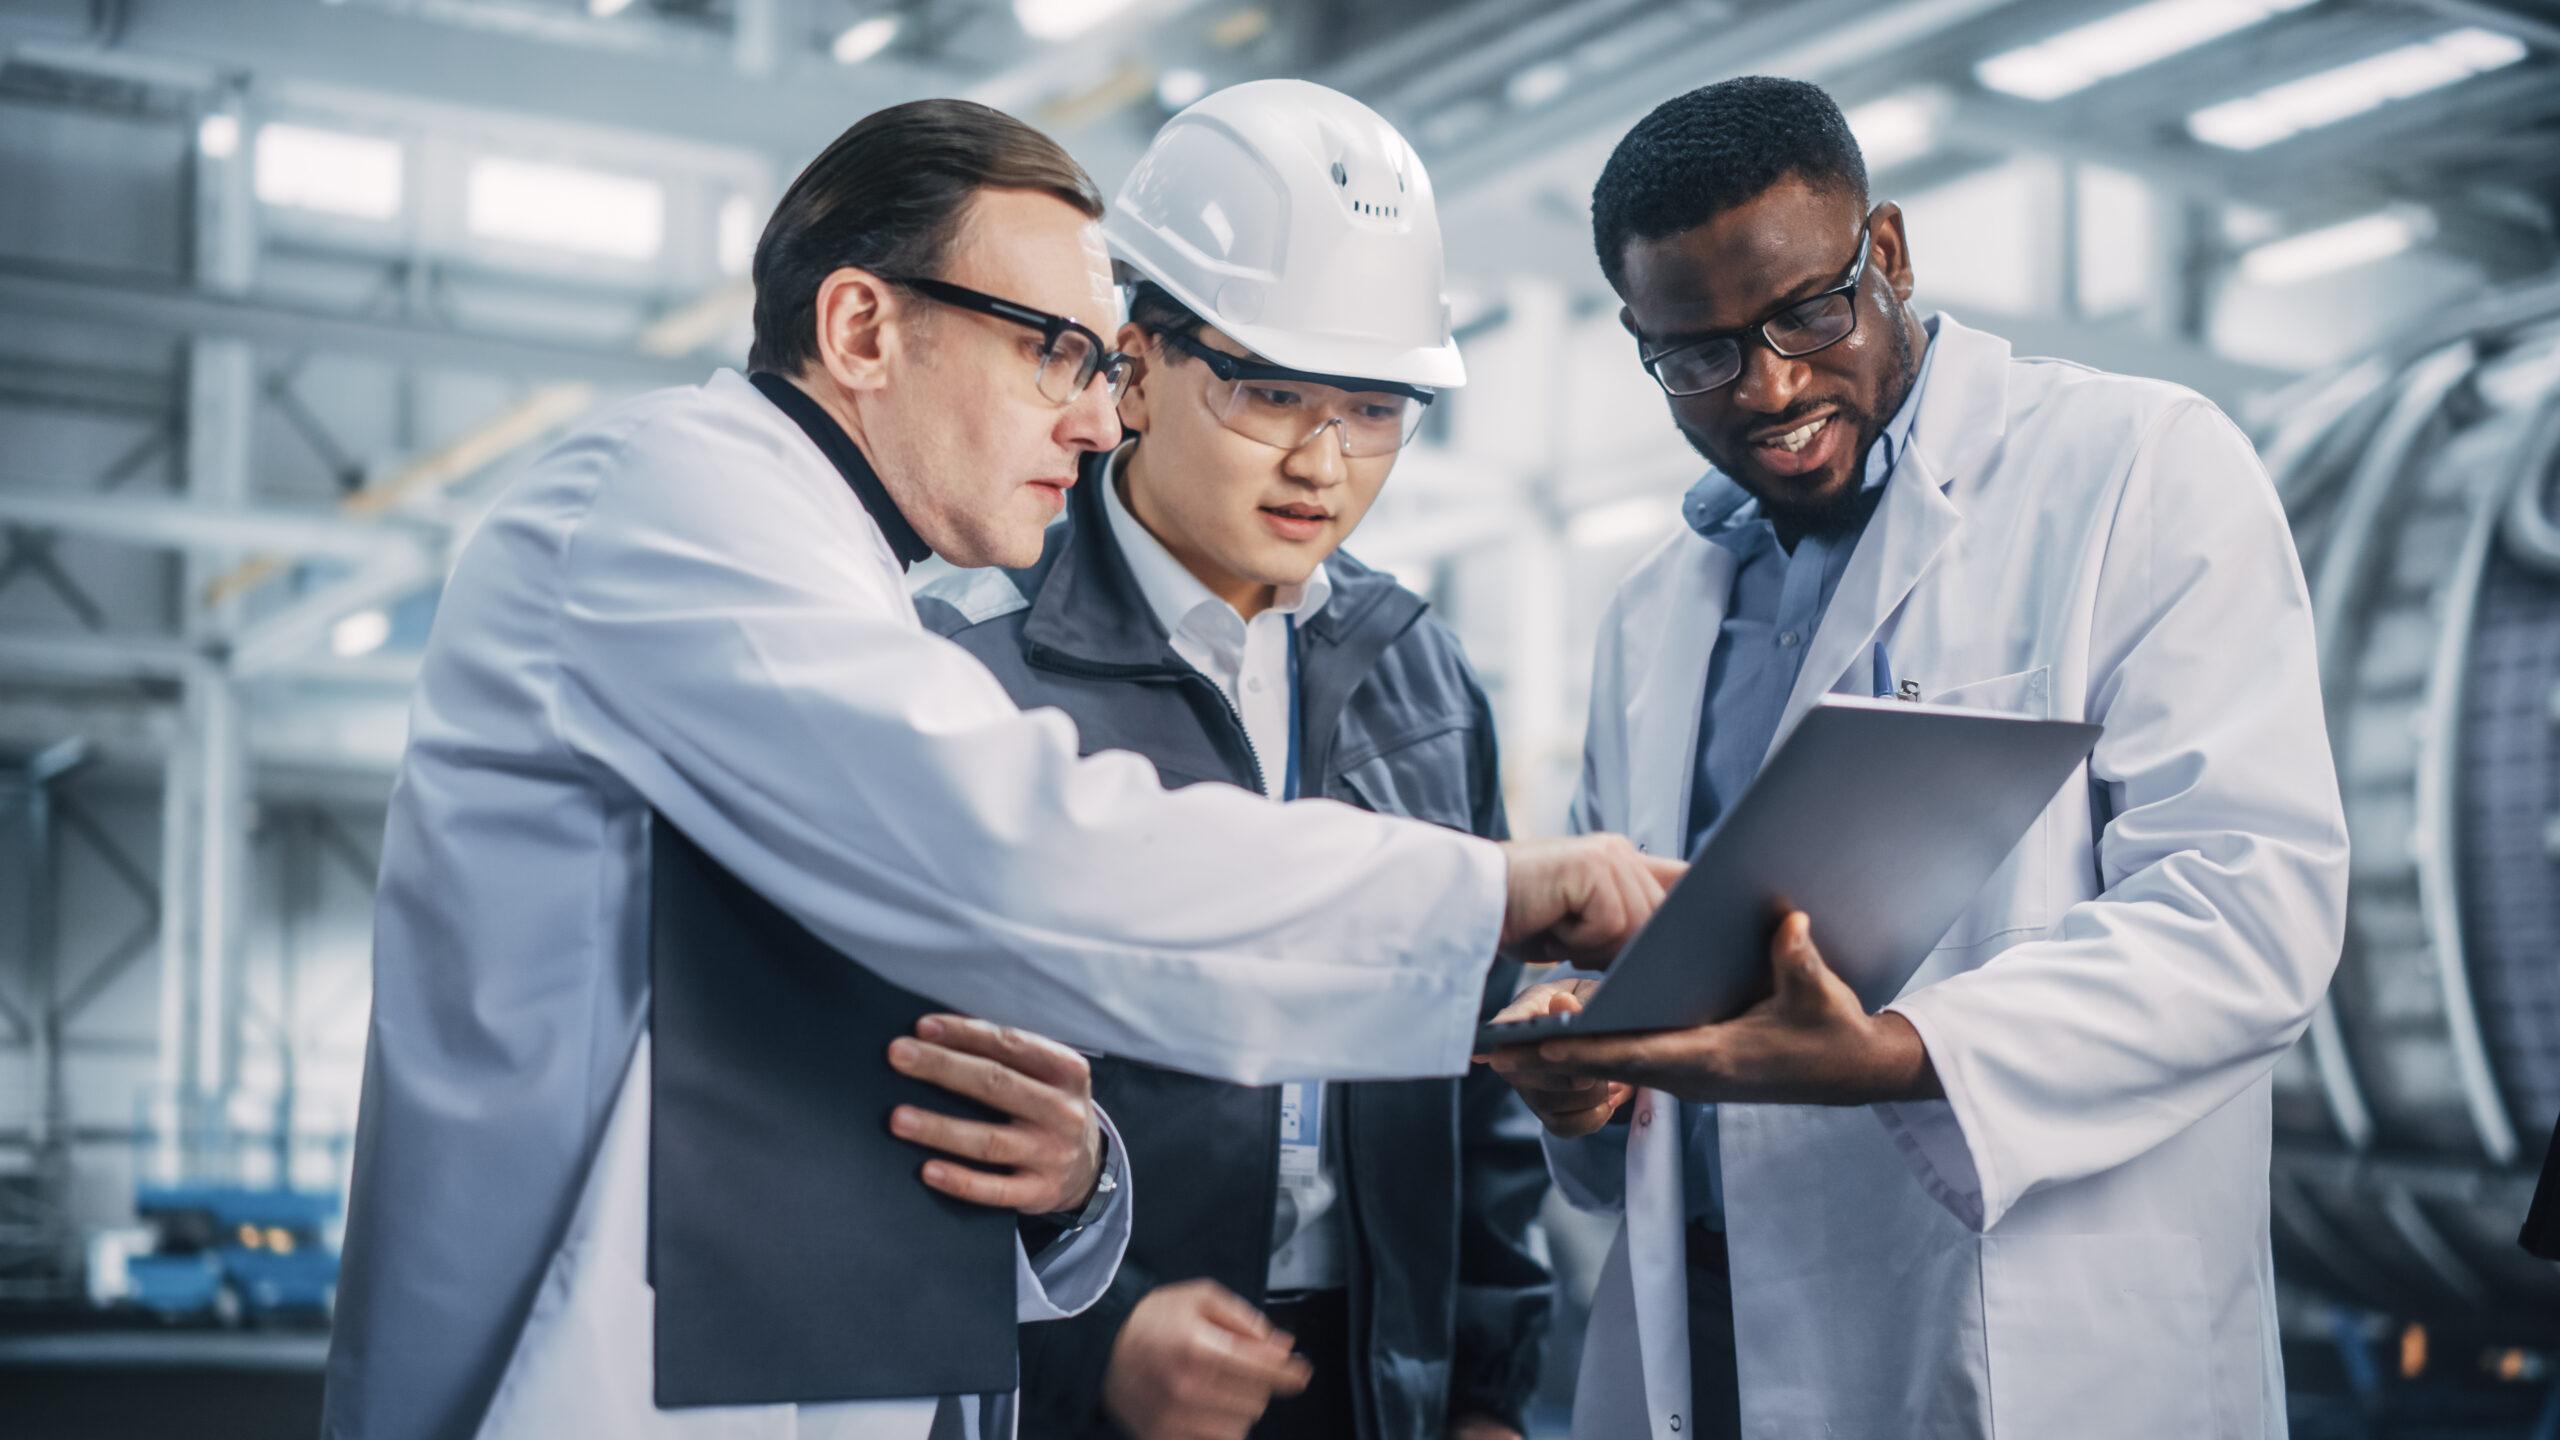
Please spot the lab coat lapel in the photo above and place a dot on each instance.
(1667, 689)
(1963, 414)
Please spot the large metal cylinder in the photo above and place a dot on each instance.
(2424, 486)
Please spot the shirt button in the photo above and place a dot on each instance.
(1788, 640)
(1644, 1115)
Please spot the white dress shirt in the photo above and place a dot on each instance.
(1248, 660)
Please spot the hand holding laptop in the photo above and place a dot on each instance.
(1809, 1042)
(1568, 1103)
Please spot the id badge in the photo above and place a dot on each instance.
(1301, 1129)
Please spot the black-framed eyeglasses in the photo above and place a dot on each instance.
(1795, 330)
(1286, 408)
(1071, 354)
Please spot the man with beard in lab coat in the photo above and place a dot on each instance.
(694, 608)
(2028, 1199)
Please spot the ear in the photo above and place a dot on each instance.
(860, 323)
(1140, 347)
(1893, 250)
(1627, 322)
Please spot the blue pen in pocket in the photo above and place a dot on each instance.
(1884, 674)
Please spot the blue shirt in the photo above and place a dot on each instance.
(1776, 603)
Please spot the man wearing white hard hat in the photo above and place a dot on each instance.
(1360, 1258)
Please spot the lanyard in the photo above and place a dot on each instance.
(1297, 742)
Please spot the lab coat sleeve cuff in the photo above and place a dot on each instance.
(1487, 896)
(1070, 1275)
(1938, 1139)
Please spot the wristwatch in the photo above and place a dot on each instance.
(1039, 1232)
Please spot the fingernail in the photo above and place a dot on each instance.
(903, 1052)
(930, 1027)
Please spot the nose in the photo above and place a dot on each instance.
(1769, 382)
(1319, 459)
(1091, 421)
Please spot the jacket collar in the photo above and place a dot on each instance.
(1088, 614)
(838, 447)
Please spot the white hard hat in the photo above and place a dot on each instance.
(1296, 220)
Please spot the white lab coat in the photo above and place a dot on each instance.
(2073, 1243)
(684, 607)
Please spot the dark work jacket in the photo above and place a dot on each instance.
(1442, 1178)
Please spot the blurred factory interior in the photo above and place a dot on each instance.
(290, 289)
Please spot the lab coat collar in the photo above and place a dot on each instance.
(838, 447)
(1962, 414)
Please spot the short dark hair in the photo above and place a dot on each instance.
(1153, 309)
(1712, 149)
(888, 197)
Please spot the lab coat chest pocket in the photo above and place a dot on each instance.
(2015, 897)
(2099, 1337)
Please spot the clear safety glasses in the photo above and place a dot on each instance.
(1698, 366)
(1287, 408)
(1070, 354)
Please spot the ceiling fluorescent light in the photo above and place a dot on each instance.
(357, 176)
(564, 207)
(2119, 44)
(865, 38)
(1177, 88)
(359, 634)
(1537, 84)
(218, 135)
(2254, 122)
(1063, 19)
(2360, 241)
(1899, 128)
(607, 9)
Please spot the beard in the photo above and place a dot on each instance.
(1844, 507)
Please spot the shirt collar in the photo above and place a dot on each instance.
(1172, 591)
(838, 447)
(1724, 512)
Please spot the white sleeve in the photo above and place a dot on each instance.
(2225, 865)
(756, 673)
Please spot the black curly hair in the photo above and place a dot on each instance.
(1716, 147)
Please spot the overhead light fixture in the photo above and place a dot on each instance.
(564, 207)
(218, 135)
(1899, 128)
(2281, 112)
(1178, 88)
(2348, 243)
(2119, 44)
(331, 171)
(1537, 84)
(359, 634)
(866, 38)
(607, 9)
(1064, 19)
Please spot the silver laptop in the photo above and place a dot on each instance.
(1880, 819)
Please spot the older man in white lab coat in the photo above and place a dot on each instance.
(695, 607)
(2029, 1199)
